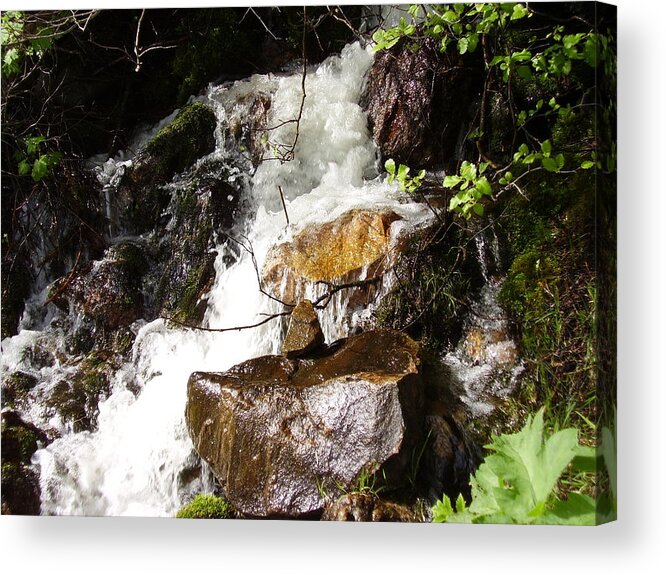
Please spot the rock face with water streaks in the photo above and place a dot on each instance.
(419, 101)
(335, 252)
(108, 290)
(279, 432)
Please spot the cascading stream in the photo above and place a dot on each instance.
(140, 459)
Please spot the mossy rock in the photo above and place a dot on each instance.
(550, 294)
(19, 438)
(178, 145)
(76, 397)
(16, 386)
(20, 483)
(20, 490)
(427, 301)
(174, 149)
(206, 507)
(203, 206)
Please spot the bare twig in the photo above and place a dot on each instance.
(284, 207)
(224, 329)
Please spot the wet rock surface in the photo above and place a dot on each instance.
(278, 431)
(304, 334)
(418, 102)
(142, 196)
(107, 290)
(366, 507)
(202, 208)
(333, 252)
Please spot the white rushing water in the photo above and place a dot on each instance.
(140, 460)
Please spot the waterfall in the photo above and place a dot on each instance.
(139, 460)
(485, 363)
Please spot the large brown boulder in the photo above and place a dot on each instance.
(420, 102)
(336, 252)
(280, 433)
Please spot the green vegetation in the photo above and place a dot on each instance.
(205, 506)
(516, 57)
(538, 166)
(516, 482)
(407, 183)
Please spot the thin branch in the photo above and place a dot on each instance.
(223, 329)
(284, 207)
(136, 41)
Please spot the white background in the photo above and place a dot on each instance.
(634, 544)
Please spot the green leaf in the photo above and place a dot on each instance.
(451, 181)
(586, 459)
(454, 202)
(519, 11)
(24, 168)
(577, 509)
(478, 209)
(39, 169)
(528, 464)
(450, 16)
(570, 40)
(550, 164)
(442, 510)
(483, 185)
(590, 51)
(521, 56)
(560, 161)
(608, 451)
(524, 72)
(472, 41)
(11, 62)
(32, 144)
(389, 166)
(546, 148)
(566, 67)
(468, 171)
(587, 164)
(497, 59)
(463, 44)
(403, 171)
(461, 505)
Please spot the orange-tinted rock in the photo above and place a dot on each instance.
(335, 252)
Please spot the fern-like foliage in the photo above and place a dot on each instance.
(516, 482)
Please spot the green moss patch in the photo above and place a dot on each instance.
(206, 507)
(178, 145)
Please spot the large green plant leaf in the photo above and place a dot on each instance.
(516, 481)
